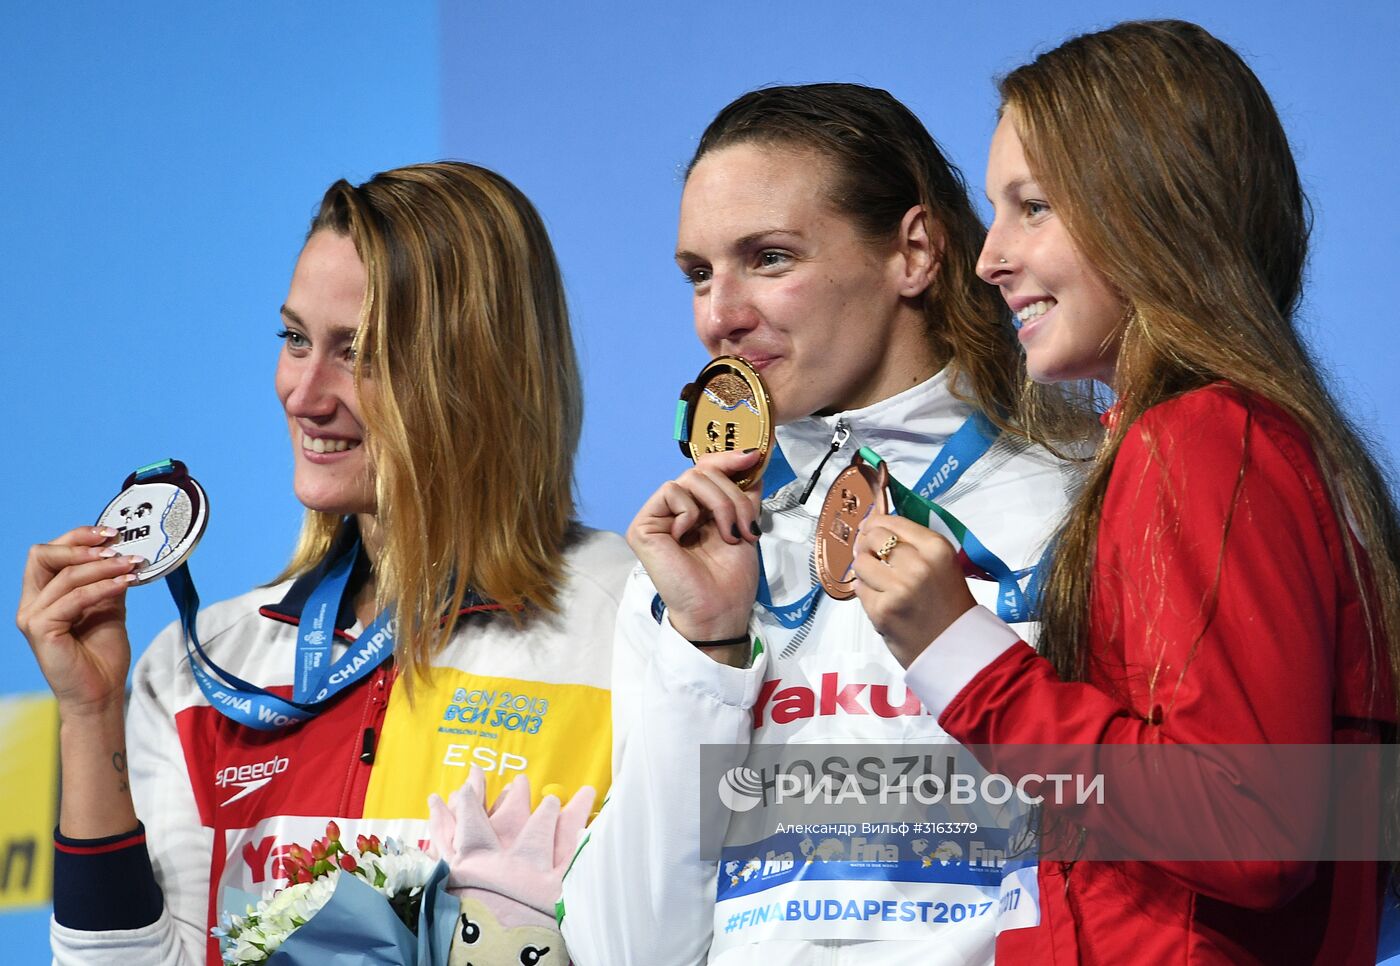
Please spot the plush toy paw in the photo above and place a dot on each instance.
(507, 866)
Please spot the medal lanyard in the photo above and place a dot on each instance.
(316, 680)
(978, 561)
(965, 447)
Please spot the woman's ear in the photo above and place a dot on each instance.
(920, 251)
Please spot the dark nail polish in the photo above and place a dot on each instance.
(753, 528)
(751, 449)
(734, 529)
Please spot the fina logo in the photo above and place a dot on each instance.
(740, 788)
(316, 638)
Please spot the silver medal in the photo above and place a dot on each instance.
(160, 517)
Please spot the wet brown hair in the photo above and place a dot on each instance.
(885, 163)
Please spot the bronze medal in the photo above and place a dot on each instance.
(857, 493)
(726, 408)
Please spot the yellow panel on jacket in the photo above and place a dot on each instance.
(557, 734)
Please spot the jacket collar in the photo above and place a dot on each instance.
(906, 429)
(288, 609)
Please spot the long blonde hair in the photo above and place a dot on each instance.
(474, 404)
(1163, 155)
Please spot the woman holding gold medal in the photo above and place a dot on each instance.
(425, 311)
(832, 252)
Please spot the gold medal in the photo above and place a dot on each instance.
(726, 408)
(857, 493)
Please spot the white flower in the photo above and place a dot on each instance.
(296, 904)
(404, 873)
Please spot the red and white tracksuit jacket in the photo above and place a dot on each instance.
(221, 803)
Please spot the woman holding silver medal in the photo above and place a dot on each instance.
(425, 308)
(831, 247)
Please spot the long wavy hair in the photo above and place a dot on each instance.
(476, 404)
(1165, 159)
(885, 163)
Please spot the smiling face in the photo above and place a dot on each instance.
(316, 379)
(781, 278)
(1071, 320)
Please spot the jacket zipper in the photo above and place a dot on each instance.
(838, 439)
(368, 737)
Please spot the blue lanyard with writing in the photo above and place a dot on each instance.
(965, 447)
(316, 679)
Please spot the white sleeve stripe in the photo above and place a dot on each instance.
(967, 647)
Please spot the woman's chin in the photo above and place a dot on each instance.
(336, 504)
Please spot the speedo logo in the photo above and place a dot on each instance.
(249, 778)
(796, 702)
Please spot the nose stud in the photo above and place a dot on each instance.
(1001, 261)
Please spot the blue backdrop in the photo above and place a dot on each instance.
(161, 164)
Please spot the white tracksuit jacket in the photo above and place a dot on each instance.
(638, 891)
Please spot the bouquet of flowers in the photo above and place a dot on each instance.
(334, 908)
(484, 894)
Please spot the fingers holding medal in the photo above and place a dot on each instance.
(724, 424)
(910, 582)
(696, 537)
(707, 493)
(143, 533)
(697, 534)
(72, 605)
(70, 580)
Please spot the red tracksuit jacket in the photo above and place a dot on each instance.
(1284, 659)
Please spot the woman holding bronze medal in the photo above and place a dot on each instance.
(425, 308)
(831, 250)
(1224, 591)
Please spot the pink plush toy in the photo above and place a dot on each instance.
(507, 867)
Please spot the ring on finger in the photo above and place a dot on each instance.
(883, 553)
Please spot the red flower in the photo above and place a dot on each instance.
(369, 844)
(347, 862)
(333, 831)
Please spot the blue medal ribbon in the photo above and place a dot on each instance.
(778, 473)
(965, 447)
(317, 680)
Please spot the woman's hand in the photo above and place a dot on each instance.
(915, 591)
(72, 609)
(697, 538)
